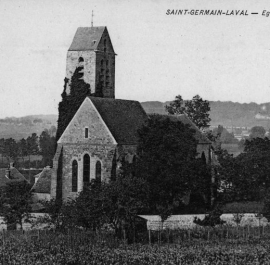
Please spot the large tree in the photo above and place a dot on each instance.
(32, 146)
(15, 202)
(196, 109)
(167, 161)
(11, 150)
(23, 149)
(246, 177)
(71, 101)
(257, 131)
(46, 145)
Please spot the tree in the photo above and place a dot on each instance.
(196, 109)
(177, 106)
(245, 177)
(46, 145)
(127, 197)
(59, 215)
(257, 131)
(15, 202)
(71, 102)
(32, 146)
(2, 148)
(266, 207)
(90, 206)
(166, 160)
(11, 149)
(23, 149)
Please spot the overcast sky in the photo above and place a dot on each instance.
(224, 58)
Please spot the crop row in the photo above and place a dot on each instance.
(62, 249)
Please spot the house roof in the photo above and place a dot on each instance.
(122, 117)
(43, 183)
(3, 178)
(86, 38)
(199, 136)
(14, 175)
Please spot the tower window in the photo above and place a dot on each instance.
(81, 59)
(98, 171)
(105, 44)
(107, 63)
(86, 133)
(74, 176)
(86, 169)
(102, 62)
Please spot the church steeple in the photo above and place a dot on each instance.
(91, 50)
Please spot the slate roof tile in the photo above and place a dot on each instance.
(15, 175)
(43, 183)
(199, 136)
(86, 38)
(122, 117)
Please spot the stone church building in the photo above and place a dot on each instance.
(103, 130)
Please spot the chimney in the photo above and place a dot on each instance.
(8, 173)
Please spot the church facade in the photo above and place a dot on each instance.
(103, 130)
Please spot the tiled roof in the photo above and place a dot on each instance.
(3, 178)
(43, 183)
(199, 136)
(15, 175)
(86, 38)
(122, 117)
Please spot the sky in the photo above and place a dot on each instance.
(159, 56)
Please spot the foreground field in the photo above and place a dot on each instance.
(87, 249)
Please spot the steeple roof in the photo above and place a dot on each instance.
(86, 38)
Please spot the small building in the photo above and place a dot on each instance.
(10, 174)
(42, 187)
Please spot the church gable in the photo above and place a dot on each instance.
(87, 126)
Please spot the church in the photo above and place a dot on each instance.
(95, 135)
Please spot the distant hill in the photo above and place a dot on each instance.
(226, 113)
(18, 128)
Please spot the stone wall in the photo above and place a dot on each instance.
(87, 117)
(89, 66)
(71, 152)
(186, 221)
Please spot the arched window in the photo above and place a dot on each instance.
(81, 59)
(203, 157)
(86, 169)
(74, 176)
(98, 171)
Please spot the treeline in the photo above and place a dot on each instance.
(24, 151)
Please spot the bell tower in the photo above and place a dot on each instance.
(92, 53)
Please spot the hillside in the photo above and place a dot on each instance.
(18, 128)
(228, 114)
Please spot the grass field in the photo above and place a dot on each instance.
(89, 248)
